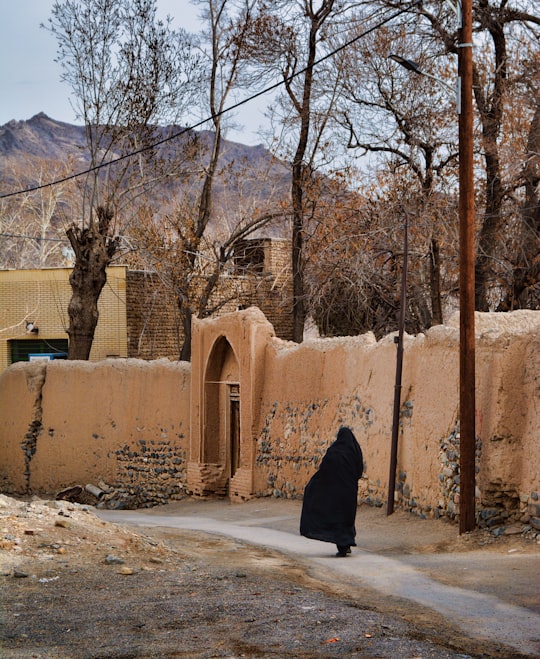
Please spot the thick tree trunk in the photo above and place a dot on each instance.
(83, 312)
(93, 253)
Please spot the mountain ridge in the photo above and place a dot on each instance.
(41, 151)
(49, 139)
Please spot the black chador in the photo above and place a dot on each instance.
(330, 497)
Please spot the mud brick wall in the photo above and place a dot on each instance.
(313, 388)
(268, 288)
(123, 424)
(273, 296)
(129, 423)
(153, 323)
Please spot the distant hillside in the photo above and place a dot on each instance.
(39, 137)
(259, 173)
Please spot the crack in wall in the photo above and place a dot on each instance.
(35, 380)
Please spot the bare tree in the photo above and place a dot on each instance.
(128, 72)
(287, 40)
(221, 45)
(406, 122)
(504, 33)
(191, 246)
(409, 124)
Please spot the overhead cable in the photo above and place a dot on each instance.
(218, 114)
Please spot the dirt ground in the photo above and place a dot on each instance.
(76, 587)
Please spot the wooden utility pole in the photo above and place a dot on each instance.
(467, 370)
(467, 397)
(399, 371)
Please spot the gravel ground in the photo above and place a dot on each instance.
(76, 587)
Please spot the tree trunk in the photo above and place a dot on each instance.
(435, 283)
(297, 191)
(185, 353)
(490, 108)
(299, 313)
(93, 253)
(524, 292)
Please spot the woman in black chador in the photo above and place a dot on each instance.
(330, 497)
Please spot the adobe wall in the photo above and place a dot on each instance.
(127, 422)
(313, 388)
(121, 422)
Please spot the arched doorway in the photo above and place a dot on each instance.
(227, 371)
(221, 446)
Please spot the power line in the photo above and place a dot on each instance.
(38, 238)
(218, 114)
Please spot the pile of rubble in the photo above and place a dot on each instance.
(103, 495)
(42, 538)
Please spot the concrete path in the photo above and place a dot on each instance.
(479, 606)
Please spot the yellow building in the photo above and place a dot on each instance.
(34, 317)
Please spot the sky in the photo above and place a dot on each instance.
(30, 78)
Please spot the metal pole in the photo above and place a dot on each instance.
(466, 280)
(399, 370)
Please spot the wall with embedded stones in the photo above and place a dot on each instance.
(119, 424)
(126, 423)
(313, 388)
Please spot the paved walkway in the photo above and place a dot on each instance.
(490, 594)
